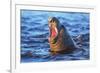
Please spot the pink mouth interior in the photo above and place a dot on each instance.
(53, 32)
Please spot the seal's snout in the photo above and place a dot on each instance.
(49, 19)
(53, 19)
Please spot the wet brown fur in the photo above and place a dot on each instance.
(64, 43)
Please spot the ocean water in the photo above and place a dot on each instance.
(35, 32)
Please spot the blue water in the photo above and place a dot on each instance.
(35, 33)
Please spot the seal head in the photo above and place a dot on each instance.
(60, 40)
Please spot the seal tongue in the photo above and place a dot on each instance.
(53, 32)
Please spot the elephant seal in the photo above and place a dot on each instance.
(59, 39)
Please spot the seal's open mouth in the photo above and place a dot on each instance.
(53, 32)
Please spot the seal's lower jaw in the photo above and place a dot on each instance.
(53, 32)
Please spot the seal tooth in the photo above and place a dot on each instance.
(56, 30)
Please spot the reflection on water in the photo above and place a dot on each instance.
(35, 33)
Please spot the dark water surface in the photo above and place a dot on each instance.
(35, 33)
